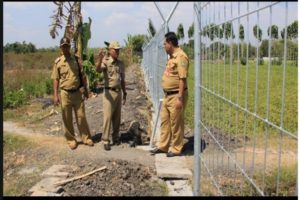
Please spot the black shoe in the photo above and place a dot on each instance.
(117, 143)
(107, 147)
(171, 154)
(156, 150)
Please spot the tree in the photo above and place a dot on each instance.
(242, 37)
(151, 28)
(180, 32)
(228, 28)
(191, 31)
(274, 32)
(258, 37)
(135, 42)
(293, 30)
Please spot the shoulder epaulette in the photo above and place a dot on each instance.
(57, 60)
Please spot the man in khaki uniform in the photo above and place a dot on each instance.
(174, 85)
(66, 77)
(114, 80)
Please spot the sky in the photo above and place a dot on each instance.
(30, 21)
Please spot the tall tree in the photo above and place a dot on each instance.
(180, 32)
(258, 37)
(293, 30)
(151, 28)
(274, 31)
(228, 28)
(242, 37)
(191, 31)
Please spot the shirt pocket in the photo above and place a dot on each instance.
(63, 72)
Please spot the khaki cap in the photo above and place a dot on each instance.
(113, 45)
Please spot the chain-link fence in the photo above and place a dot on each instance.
(243, 102)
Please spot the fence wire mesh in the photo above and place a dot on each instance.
(244, 112)
(245, 99)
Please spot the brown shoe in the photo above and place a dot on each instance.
(89, 142)
(72, 145)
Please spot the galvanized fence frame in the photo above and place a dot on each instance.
(221, 163)
(153, 65)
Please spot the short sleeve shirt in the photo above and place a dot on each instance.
(66, 72)
(112, 76)
(176, 69)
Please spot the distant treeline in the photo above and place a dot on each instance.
(21, 48)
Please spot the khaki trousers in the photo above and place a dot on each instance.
(112, 103)
(172, 124)
(70, 101)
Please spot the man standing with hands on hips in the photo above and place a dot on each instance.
(114, 81)
(174, 85)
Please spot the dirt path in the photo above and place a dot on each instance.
(52, 149)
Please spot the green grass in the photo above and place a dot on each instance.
(13, 143)
(216, 113)
(26, 76)
(287, 182)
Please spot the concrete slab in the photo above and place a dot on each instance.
(58, 171)
(47, 185)
(144, 147)
(179, 188)
(171, 167)
(43, 193)
(28, 170)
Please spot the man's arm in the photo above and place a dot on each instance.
(100, 58)
(56, 98)
(182, 86)
(123, 87)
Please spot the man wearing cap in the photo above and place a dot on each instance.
(114, 81)
(66, 77)
(174, 85)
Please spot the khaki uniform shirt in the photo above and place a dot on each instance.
(66, 72)
(176, 68)
(112, 74)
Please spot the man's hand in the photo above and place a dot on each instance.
(101, 55)
(56, 100)
(124, 98)
(179, 103)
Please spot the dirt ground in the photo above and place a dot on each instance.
(130, 171)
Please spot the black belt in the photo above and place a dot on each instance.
(113, 89)
(71, 90)
(167, 93)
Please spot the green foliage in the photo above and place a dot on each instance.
(292, 31)
(257, 30)
(274, 31)
(191, 31)
(180, 32)
(287, 185)
(242, 32)
(86, 35)
(13, 98)
(135, 42)
(151, 28)
(90, 70)
(243, 61)
(18, 47)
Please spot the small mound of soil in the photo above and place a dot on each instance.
(121, 178)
